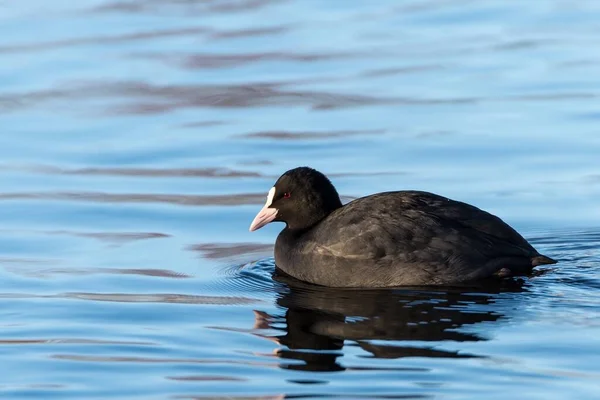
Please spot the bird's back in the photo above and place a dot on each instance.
(403, 238)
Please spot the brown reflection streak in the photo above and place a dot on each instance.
(286, 135)
(235, 60)
(202, 124)
(104, 40)
(425, 5)
(86, 358)
(162, 273)
(226, 250)
(147, 172)
(244, 5)
(45, 386)
(160, 298)
(111, 237)
(401, 70)
(524, 44)
(357, 174)
(249, 32)
(203, 378)
(576, 63)
(433, 134)
(156, 34)
(189, 7)
(119, 237)
(256, 162)
(233, 96)
(72, 341)
(593, 178)
(147, 98)
(184, 200)
(9, 260)
(554, 97)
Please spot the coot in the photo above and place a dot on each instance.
(387, 239)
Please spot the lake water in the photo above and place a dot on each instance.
(140, 137)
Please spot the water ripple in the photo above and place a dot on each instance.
(140, 136)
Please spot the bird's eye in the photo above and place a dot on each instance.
(287, 195)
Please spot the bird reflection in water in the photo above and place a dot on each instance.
(319, 321)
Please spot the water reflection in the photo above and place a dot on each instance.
(326, 320)
(144, 98)
(287, 135)
(187, 7)
(139, 135)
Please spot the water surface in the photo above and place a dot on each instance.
(139, 138)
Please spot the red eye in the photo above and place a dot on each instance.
(286, 195)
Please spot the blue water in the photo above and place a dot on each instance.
(139, 138)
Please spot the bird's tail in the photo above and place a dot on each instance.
(542, 260)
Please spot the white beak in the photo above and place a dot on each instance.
(266, 214)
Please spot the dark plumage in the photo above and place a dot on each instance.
(387, 239)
